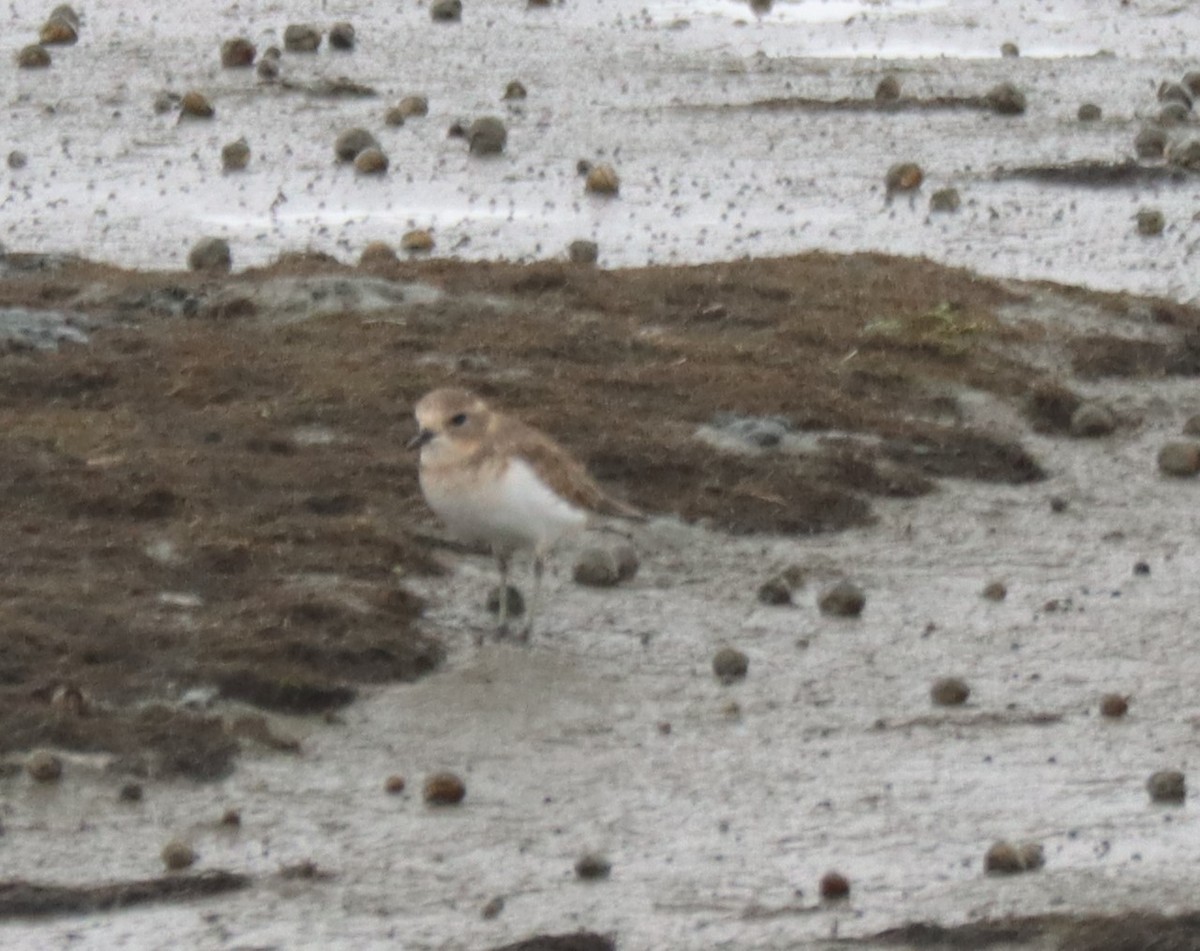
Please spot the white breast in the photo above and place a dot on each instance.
(509, 510)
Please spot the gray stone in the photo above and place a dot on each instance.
(210, 254)
(1180, 459)
(1167, 785)
(301, 38)
(353, 141)
(844, 599)
(446, 11)
(487, 136)
(596, 568)
(583, 252)
(1092, 420)
(730, 664)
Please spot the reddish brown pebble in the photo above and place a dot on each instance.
(834, 885)
(444, 789)
(1114, 705)
(232, 818)
(394, 785)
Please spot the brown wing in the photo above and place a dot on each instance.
(559, 469)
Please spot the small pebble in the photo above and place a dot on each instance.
(592, 866)
(1167, 785)
(195, 105)
(350, 143)
(1032, 856)
(231, 818)
(1002, 858)
(1114, 705)
(493, 908)
(131, 792)
(1141, 568)
(1092, 420)
(775, 592)
(515, 90)
(444, 789)
(301, 38)
(903, 177)
(44, 767)
(371, 161)
(730, 664)
(210, 254)
(235, 155)
(1009, 50)
(1181, 459)
(1190, 428)
(888, 89)
(487, 136)
(945, 200)
(33, 56)
(602, 180)
(1006, 99)
(834, 885)
(949, 692)
(413, 106)
(417, 241)
(394, 785)
(377, 253)
(17, 159)
(59, 31)
(1150, 142)
(237, 53)
(1150, 222)
(995, 591)
(1058, 504)
(596, 567)
(446, 11)
(844, 599)
(178, 855)
(341, 36)
(1089, 112)
(583, 252)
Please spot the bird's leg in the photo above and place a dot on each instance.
(502, 614)
(539, 568)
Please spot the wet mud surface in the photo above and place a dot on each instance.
(223, 591)
(220, 504)
(218, 536)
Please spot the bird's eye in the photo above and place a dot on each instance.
(458, 420)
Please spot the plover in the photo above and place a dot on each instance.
(492, 479)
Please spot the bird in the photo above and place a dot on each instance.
(493, 479)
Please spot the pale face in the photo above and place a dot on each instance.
(452, 422)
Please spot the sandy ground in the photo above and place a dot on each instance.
(215, 525)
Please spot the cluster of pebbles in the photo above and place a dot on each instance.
(60, 29)
(485, 135)
(1172, 134)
